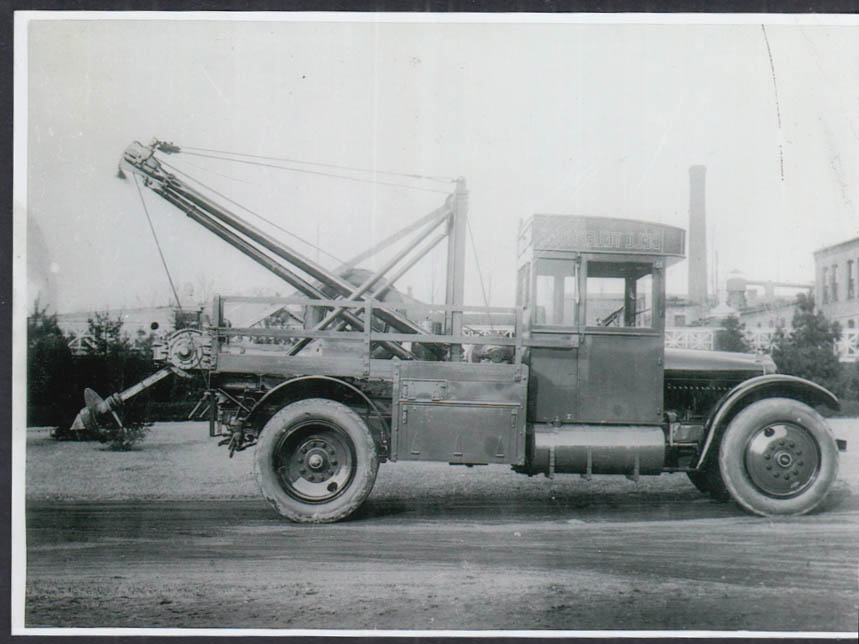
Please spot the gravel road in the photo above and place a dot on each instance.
(174, 535)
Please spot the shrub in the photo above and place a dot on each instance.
(123, 439)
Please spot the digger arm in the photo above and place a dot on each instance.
(96, 408)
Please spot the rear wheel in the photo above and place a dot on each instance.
(316, 461)
(778, 457)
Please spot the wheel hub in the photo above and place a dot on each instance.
(785, 459)
(314, 463)
(782, 459)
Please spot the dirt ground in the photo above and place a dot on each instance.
(175, 535)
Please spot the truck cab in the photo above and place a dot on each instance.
(595, 288)
(605, 397)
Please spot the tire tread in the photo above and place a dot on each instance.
(365, 448)
(731, 449)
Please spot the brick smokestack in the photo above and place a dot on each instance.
(697, 235)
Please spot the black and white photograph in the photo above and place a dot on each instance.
(435, 324)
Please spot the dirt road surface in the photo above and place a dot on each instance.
(434, 547)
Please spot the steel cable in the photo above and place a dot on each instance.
(157, 243)
(325, 165)
(319, 173)
(248, 210)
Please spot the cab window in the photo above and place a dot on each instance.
(619, 294)
(556, 293)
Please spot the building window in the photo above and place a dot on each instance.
(825, 281)
(679, 320)
(851, 324)
(834, 289)
(851, 282)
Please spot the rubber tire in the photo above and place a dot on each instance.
(709, 481)
(366, 461)
(743, 427)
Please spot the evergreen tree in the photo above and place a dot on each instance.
(49, 362)
(731, 336)
(107, 334)
(808, 351)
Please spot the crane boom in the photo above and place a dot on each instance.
(253, 242)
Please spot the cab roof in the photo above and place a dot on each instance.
(583, 234)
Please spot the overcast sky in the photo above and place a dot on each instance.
(598, 119)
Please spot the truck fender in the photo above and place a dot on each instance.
(301, 387)
(757, 388)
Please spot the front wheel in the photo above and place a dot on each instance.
(778, 457)
(316, 461)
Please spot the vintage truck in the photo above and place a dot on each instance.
(354, 374)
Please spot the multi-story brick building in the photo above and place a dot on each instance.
(837, 292)
(837, 282)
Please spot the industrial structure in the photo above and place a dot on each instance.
(761, 306)
(345, 378)
(689, 309)
(698, 236)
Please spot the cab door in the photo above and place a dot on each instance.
(620, 360)
(553, 337)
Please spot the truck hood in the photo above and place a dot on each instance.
(694, 360)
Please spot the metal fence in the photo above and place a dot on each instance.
(759, 340)
(847, 347)
(704, 337)
(696, 337)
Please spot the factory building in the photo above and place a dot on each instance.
(771, 309)
(836, 285)
(837, 282)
